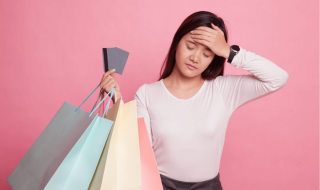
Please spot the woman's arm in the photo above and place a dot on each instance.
(142, 110)
(265, 78)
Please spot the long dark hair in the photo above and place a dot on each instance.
(201, 18)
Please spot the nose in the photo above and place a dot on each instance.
(195, 56)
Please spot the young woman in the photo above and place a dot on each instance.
(187, 110)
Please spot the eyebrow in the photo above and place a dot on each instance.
(195, 44)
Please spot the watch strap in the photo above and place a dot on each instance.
(234, 50)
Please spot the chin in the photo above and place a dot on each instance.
(189, 73)
(185, 71)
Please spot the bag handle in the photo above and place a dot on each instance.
(97, 102)
(112, 90)
(100, 93)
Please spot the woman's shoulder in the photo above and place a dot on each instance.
(149, 87)
(211, 82)
(223, 79)
(230, 79)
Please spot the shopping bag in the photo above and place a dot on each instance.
(122, 169)
(47, 153)
(77, 169)
(97, 177)
(150, 177)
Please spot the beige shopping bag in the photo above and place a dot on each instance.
(122, 169)
(111, 115)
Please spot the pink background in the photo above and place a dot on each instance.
(51, 53)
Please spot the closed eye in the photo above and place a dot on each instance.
(192, 49)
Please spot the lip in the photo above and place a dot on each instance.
(191, 67)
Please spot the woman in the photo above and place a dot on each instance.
(187, 110)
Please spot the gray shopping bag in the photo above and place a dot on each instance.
(52, 146)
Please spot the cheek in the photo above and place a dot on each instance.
(205, 65)
(181, 57)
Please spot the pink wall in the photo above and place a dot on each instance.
(51, 53)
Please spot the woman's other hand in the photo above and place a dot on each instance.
(108, 82)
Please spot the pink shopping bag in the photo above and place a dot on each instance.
(150, 177)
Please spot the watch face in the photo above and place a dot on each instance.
(235, 48)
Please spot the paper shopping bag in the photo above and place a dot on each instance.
(50, 149)
(122, 168)
(97, 177)
(77, 169)
(150, 177)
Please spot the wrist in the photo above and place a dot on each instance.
(227, 52)
(116, 96)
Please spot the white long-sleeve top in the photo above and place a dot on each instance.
(187, 135)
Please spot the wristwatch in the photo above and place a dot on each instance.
(234, 50)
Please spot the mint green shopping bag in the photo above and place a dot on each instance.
(78, 167)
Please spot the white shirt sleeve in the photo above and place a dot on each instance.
(142, 110)
(265, 78)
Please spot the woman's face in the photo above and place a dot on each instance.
(190, 53)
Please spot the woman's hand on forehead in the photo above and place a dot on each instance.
(213, 38)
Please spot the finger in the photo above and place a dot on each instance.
(201, 37)
(110, 85)
(106, 88)
(201, 32)
(109, 72)
(203, 42)
(106, 80)
(106, 74)
(112, 74)
(216, 27)
(204, 28)
(110, 81)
